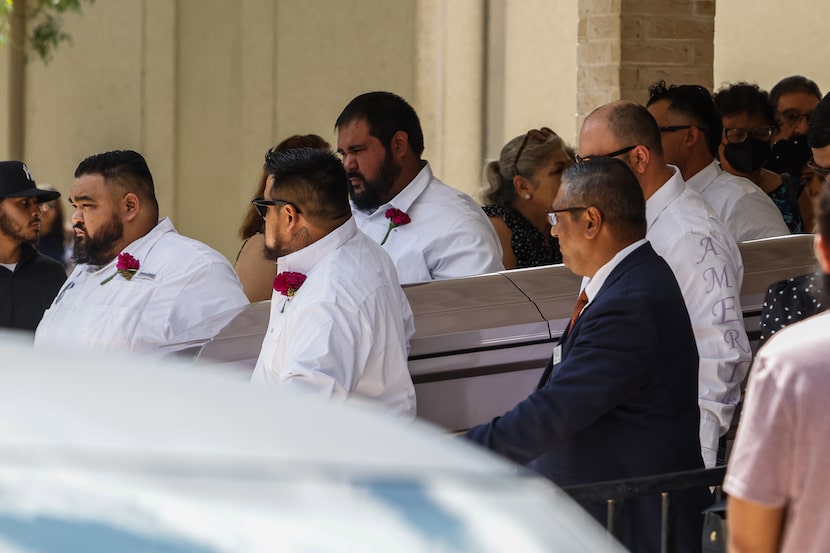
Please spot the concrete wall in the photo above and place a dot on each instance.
(204, 87)
(762, 42)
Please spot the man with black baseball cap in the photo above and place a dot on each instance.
(29, 281)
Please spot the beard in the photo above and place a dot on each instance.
(279, 249)
(99, 249)
(15, 231)
(376, 190)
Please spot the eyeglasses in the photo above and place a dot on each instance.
(672, 128)
(738, 136)
(793, 116)
(619, 152)
(541, 134)
(553, 219)
(822, 172)
(261, 205)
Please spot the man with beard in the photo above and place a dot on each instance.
(138, 284)
(430, 230)
(28, 279)
(340, 322)
(704, 257)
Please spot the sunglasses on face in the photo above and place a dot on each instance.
(621, 151)
(261, 205)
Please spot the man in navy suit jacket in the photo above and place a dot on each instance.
(619, 398)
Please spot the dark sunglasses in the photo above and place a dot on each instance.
(261, 205)
(540, 134)
(619, 152)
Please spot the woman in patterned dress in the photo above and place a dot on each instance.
(519, 189)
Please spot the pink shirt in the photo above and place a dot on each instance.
(781, 456)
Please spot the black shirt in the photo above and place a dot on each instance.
(28, 291)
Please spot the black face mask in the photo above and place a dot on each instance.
(748, 156)
(790, 155)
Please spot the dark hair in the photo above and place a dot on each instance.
(498, 188)
(790, 85)
(125, 168)
(253, 223)
(818, 131)
(314, 180)
(744, 98)
(385, 114)
(611, 186)
(694, 101)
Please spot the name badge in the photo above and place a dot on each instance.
(557, 355)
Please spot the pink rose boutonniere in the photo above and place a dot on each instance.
(287, 283)
(396, 218)
(127, 266)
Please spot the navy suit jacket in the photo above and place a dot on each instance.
(622, 402)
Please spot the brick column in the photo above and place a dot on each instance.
(625, 45)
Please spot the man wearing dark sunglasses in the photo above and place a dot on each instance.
(704, 257)
(340, 323)
(690, 131)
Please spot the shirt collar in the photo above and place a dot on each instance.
(304, 260)
(595, 284)
(701, 180)
(406, 197)
(664, 195)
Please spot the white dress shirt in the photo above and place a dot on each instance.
(746, 210)
(449, 235)
(346, 330)
(706, 261)
(181, 286)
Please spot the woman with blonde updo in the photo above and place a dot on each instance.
(519, 189)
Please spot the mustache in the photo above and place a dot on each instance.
(356, 175)
(79, 226)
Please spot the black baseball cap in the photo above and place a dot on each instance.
(16, 181)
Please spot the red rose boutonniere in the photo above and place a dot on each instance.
(127, 266)
(287, 283)
(396, 218)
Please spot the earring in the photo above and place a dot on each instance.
(527, 196)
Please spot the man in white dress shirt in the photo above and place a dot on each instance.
(705, 259)
(138, 285)
(444, 233)
(690, 129)
(340, 322)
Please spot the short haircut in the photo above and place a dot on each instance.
(385, 114)
(125, 168)
(632, 124)
(791, 85)
(314, 180)
(693, 101)
(818, 133)
(253, 222)
(744, 98)
(611, 186)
